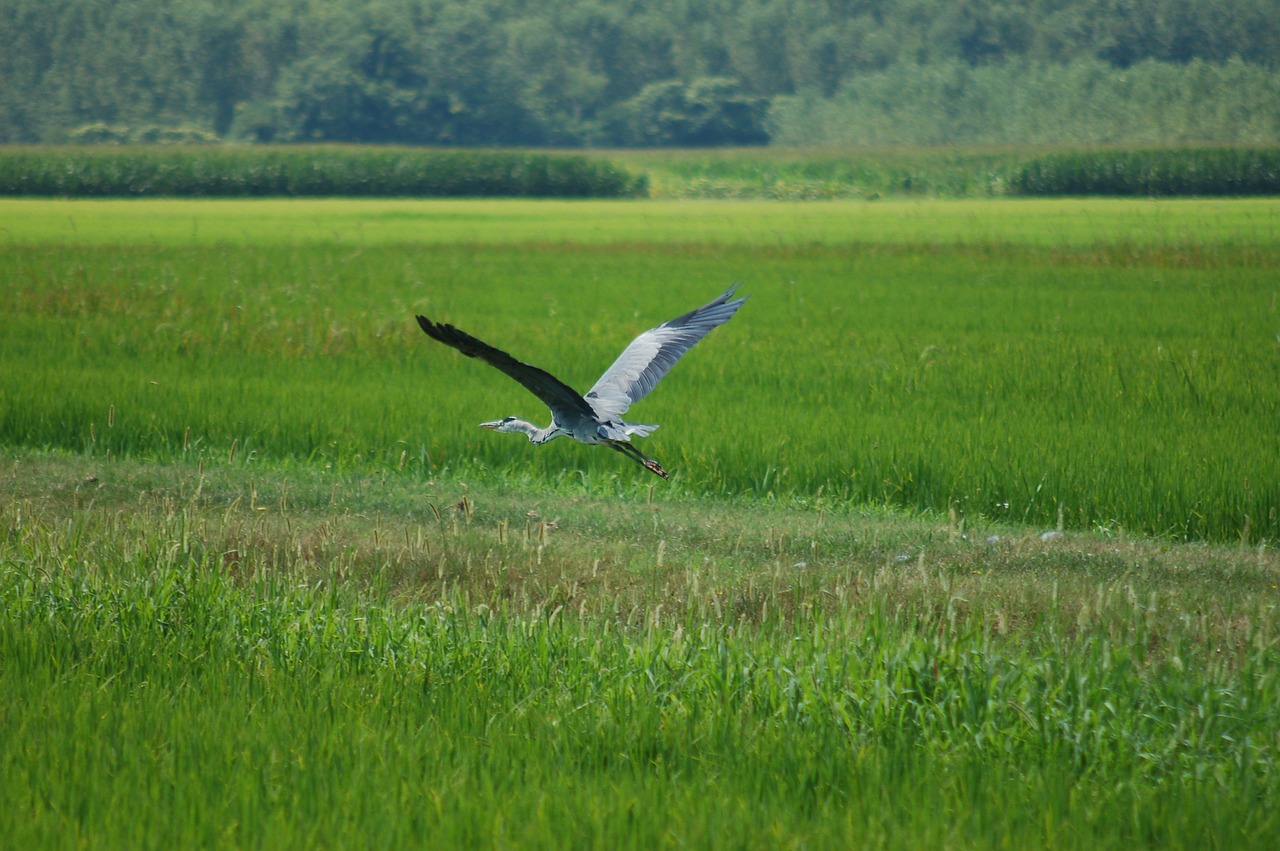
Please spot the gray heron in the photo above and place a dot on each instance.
(596, 418)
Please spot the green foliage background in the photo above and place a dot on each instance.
(584, 72)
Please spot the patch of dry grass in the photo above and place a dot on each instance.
(667, 561)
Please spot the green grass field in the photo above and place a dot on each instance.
(263, 583)
(1114, 364)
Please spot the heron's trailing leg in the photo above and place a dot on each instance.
(635, 454)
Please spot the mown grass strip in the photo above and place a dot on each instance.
(1154, 228)
(794, 174)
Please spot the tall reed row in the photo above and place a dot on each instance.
(752, 173)
(209, 171)
(1228, 171)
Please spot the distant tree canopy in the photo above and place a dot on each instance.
(546, 72)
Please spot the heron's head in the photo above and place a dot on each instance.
(504, 424)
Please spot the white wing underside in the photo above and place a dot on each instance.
(643, 363)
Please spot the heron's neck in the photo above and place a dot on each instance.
(536, 435)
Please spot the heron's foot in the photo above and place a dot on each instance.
(654, 467)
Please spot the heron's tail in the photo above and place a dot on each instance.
(621, 431)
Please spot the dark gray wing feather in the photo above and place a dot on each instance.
(643, 363)
(565, 402)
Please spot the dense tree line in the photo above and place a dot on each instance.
(1081, 102)
(556, 72)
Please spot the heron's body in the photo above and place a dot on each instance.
(596, 418)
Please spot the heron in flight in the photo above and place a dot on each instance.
(596, 418)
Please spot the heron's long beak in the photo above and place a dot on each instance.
(492, 425)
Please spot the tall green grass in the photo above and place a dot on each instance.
(183, 666)
(1124, 383)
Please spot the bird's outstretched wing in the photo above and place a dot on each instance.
(643, 363)
(555, 394)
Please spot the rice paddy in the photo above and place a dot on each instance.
(969, 542)
(933, 355)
